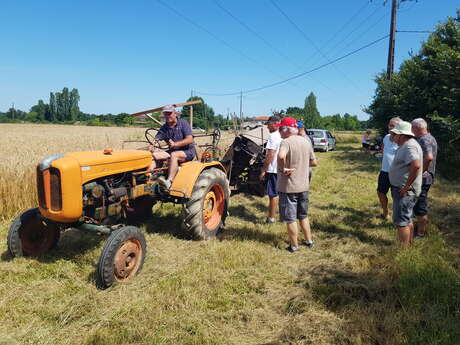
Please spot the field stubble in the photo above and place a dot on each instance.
(352, 288)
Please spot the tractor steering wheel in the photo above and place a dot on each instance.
(150, 136)
(216, 136)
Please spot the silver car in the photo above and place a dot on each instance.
(323, 140)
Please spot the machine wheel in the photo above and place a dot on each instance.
(327, 148)
(31, 235)
(122, 257)
(204, 214)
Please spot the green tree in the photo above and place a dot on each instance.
(51, 115)
(203, 114)
(74, 110)
(312, 118)
(41, 109)
(427, 85)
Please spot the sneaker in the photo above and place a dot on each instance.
(270, 220)
(163, 183)
(308, 244)
(292, 249)
(419, 236)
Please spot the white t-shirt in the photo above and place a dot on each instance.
(273, 143)
(389, 150)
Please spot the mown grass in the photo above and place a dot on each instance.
(355, 287)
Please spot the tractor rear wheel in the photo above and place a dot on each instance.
(205, 212)
(31, 235)
(122, 257)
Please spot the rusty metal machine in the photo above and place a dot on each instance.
(107, 192)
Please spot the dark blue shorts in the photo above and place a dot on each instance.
(189, 154)
(383, 184)
(271, 179)
(421, 207)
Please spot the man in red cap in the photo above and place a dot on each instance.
(294, 159)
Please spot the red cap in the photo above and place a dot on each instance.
(288, 122)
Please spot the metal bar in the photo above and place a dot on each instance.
(94, 228)
(159, 108)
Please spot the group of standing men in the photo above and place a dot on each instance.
(286, 170)
(408, 169)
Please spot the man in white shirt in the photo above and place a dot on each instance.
(383, 184)
(269, 169)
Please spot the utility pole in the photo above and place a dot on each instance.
(391, 46)
(241, 106)
(191, 93)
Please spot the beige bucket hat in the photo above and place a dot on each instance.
(403, 127)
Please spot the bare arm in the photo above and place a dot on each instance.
(268, 159)
(313, 162)
(282, 158)
(186, 141)
(427, 158)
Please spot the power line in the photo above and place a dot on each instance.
(313, 44)
(267, 43)
(416, 31)
(297, 75)
(354, 30)
(202, 28)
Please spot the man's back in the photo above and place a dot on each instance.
(299, 153)
(429, 145)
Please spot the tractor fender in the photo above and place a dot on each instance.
(187, 175)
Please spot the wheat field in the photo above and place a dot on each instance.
(23, 146)
(356, 286)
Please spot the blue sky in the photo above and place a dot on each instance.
(130, 56)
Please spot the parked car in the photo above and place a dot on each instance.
(323, 140)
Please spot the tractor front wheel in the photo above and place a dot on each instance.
(31, 235)
(122, 257)
(205, 212)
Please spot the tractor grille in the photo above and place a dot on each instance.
(49, 189)
(55, 189)
(41, 189)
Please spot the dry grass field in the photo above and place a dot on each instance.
(356, 286)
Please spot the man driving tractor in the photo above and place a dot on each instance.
(177, 134)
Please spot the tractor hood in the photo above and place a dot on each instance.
(108, 156)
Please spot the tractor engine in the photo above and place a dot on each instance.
(108, 199)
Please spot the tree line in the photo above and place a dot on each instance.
(427, 85)
(63, 108)
(311, 117)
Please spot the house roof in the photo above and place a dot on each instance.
(260, 118)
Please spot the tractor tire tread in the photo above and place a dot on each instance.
(191, 212)
(105, 268)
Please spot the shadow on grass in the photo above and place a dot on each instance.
(351, 216)
(166, 224)
(246, 233)
(341, 233)
(367, 302)
(72, 244)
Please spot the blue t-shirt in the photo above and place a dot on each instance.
(179, 132)
(389, 150)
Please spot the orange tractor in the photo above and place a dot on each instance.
(107, 191)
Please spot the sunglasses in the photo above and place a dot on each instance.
(167, 113)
